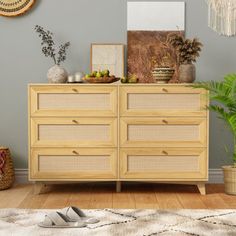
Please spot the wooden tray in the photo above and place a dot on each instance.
(110, 79)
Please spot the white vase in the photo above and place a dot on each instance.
(57, 74)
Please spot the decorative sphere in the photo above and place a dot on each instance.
(57, 74)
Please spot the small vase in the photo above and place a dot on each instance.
(187, 73)
(57, 74)
(163, 75)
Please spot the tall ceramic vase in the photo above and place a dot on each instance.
(187, 73)
(57, 74)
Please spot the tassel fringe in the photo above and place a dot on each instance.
(222, 16)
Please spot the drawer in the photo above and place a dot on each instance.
(74, 132)
(164, 164)
(73, 100)
(68, 163)
(162, 101)
(163, 132)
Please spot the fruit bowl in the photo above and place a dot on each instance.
(104, 79)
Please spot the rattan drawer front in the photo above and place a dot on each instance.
(74, 132)
(73, 100)
(67, 163)
(162, 101)
(163, 132)
(168, 163)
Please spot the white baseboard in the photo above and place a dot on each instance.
(215, 176)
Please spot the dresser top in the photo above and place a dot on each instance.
(107, 84)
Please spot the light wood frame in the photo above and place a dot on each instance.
(125, 122)
(201, 175)
(72, 89)
(163, 89)
(108, 44)
(35, 173)
(111, 122)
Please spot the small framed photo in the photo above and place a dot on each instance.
(108, 56)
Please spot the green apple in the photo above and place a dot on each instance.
(94, 73)
(123, 80)
(106, 73)
(98, 74)
(133, 79)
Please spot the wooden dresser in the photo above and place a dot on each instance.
(118, 132)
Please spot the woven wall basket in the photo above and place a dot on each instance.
(7, 175)
(15, 7)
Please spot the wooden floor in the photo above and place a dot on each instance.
(87, 196)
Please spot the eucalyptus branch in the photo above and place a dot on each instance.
(62, 53)
(49, 47)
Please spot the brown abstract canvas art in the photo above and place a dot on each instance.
(148, 50)
(149, 24)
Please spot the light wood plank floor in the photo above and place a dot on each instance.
(103, 195)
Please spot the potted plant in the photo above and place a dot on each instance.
(187, 50)
(56, 74)
(224, 94)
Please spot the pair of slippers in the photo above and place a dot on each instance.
(69, 217)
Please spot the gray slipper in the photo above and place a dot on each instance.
(58, 220)
(75, 214)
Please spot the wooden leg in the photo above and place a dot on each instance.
(202, 188)
(40, 188)
(118, 186)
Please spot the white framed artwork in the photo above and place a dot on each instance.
(108, 56)
(155, 16)
(148, 26)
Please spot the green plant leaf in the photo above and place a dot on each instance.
(224, 94)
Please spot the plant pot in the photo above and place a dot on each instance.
(187, 73)
(230, 179)
(57, 74)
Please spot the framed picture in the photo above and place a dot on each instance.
(108, 56)
(148, 27)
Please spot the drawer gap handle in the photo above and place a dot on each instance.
(75, 121)
(76, 153)
(75, 90)
(165, 90)
(165, 121)
(165, 152)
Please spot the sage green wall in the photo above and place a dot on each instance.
(83, 22)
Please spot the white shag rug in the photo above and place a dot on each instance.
(114, 222)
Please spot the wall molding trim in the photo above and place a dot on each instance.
(21, 176)
(215, 175)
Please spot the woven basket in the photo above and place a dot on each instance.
(230, 179)
(6, 169)
(163, 75)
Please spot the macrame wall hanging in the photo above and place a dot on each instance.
(222, 16)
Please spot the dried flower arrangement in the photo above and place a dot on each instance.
(188, 50)
(49, 48)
